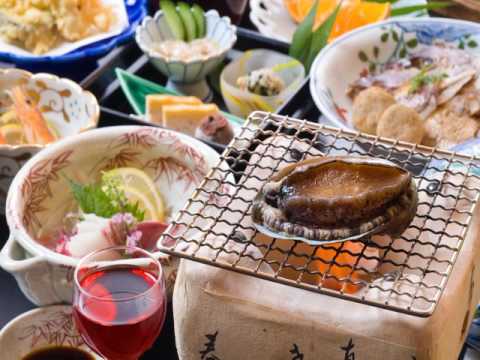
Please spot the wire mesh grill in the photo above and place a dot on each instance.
(405, 274)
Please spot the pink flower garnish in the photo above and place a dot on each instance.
(133, 239)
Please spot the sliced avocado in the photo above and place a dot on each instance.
(199, 15)
(173, 19)
(188, 20)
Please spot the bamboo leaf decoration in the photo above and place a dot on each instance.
(307, 43)
(302, 38)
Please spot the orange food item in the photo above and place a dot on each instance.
(353, 13)
(344, 262)
(34, 125)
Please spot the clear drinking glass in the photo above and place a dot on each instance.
(119, 301)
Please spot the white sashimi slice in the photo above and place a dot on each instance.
(89, 236)
(454, 86)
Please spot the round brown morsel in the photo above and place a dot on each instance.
(368, 107)
(402, 123)
(447, 129)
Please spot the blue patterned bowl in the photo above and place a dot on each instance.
(340, 63)
(136, 11)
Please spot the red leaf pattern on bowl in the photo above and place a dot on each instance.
(36, 187)
(174, 170)
(125, 157)
(141, 138)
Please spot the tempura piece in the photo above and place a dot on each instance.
(40, 25)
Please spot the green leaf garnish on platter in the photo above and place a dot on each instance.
(423, 78)
(321, 35)
(302, 38)
(136, 89)
(104, 199)
(306, 42)
(432, 5)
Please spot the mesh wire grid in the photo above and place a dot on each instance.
(406, 274)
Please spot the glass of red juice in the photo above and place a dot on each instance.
(119, 301)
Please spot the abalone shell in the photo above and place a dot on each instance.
(328, 199)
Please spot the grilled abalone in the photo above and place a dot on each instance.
(327, 199)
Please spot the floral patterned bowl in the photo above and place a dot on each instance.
(187, 77)
(41, 328)
(340, 63)
(67, 107)
(40, 197)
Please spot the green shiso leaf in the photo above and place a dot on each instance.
(105, 200)
(320, 37)
(302, 37)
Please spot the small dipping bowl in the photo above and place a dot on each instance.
(241, 102)
(41, 328)
(186, 77)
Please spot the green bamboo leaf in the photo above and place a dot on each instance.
(384, 37)
(302, 38)
(395, 36)
(376, 51)
(362, 56)
(412, 43)
(432, 5)
(320, 37)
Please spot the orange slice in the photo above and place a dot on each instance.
(356, 14)
(353, 14)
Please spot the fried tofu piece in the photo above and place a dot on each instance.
(402, 123)
(368, 107)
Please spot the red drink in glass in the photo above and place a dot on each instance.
(119, 307)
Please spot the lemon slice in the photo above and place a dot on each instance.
(13, 133)
(137, 181)
(144, 203)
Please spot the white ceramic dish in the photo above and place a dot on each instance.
(273, 20)
(40, 197)
(38, 329)
(341, 62)
(67, 107)
(187, 77)
(241, 102)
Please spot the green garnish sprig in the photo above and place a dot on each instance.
(423, 78)
(104, 199)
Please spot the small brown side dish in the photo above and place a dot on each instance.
(328, 199)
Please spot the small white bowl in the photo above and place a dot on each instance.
(341, 62)
(41, 328)
(40, 197)
(67, 107)
(242, 102)
(187, 77)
